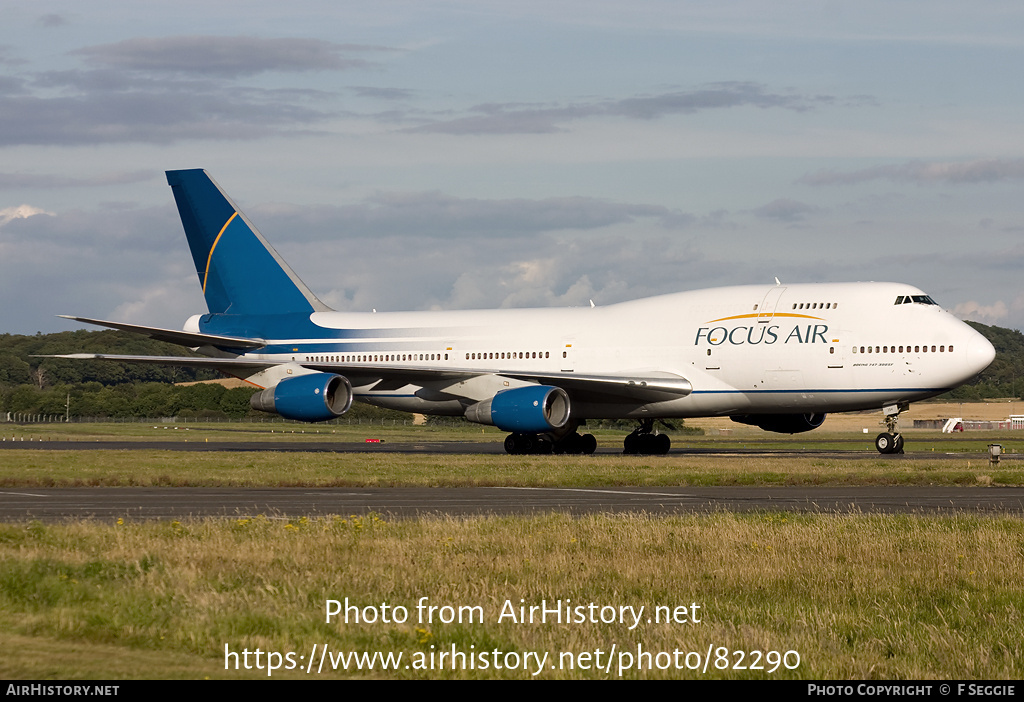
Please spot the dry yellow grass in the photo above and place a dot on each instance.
(884, 597)
(226, 382)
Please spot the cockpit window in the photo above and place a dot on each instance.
(919, 299)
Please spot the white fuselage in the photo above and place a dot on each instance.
(745, 350)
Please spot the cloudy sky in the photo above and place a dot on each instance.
(419, 154)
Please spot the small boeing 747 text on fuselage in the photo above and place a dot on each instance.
(778, 357)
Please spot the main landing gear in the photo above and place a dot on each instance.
(891, 441)
(573, 443)
(643, 440)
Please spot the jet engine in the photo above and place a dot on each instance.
(531, 410)
(781, 423)
(315, 397)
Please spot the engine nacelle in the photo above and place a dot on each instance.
(529, 410)
(782, 423)
(315, 397)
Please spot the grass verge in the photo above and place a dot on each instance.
(856, 596)
(37, 468)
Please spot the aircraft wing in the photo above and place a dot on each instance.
(182, 338)
(650, 385)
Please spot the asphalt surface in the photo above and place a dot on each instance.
(457, 447)
(55, 504)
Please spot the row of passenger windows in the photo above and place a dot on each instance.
(893, 349)
(509, 354)
(388, 358)
(815, 305)
(361, 358)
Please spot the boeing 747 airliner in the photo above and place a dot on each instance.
(775, 356)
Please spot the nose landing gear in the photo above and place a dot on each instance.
(891, 441)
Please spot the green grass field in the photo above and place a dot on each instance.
(27, 468)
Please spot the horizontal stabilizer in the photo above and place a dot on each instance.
(182, 338)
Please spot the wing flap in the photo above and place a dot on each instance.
(646, 386)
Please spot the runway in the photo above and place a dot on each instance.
(468, 447)
(108, 504)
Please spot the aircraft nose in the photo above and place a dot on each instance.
(980, 354)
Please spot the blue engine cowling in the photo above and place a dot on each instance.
(315, 397)
(782, 423)
(531, 410)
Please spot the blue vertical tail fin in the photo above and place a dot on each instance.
(239, 271)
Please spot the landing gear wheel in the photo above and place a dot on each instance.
(567, 444)
(887, 443)
(511, 444)
(630, 445)
(574, 444)
(662, 444)
(521, 444)
(891, 441)
(643, 441)
(518, 444)
(588, 444)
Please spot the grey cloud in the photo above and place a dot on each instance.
(140, 230)
(434, 214)
(230, 57)
(516, 118)
(116, 104)
(148, 116)
(6, 59)
(12, 181)
(52, 20)
(12, 86)
(784, 210)
(93, 262)
(389, 255)
(384, 253)
(114, 81)
(430, 250)
(395, 273)
(383, 93)
(712, 97)
(979, 171)
(109, 80)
